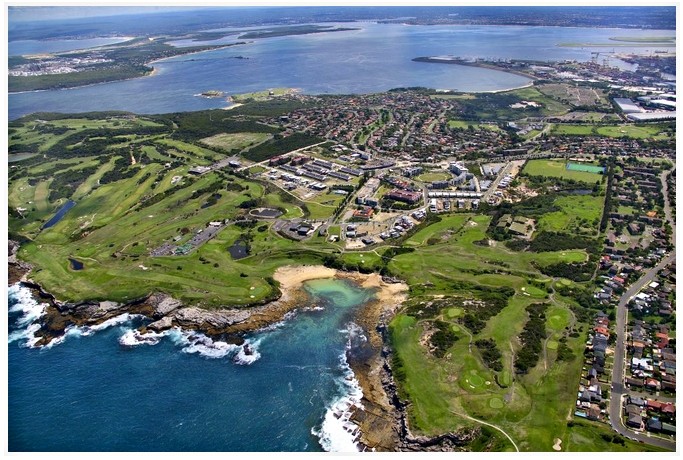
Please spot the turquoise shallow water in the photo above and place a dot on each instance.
(186, 393)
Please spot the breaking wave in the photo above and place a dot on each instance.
(337, 432)
(25, 326)
(195, 343)
(248, 353)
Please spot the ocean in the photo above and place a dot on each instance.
(108, 389)
(377, 57)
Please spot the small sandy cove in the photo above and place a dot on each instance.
(291, 277)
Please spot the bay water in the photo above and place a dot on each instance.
(109, 389)
(374, 58)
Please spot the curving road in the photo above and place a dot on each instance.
(618, 388)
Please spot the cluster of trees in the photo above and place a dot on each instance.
(564, 353)
(556, 241)
(613, 438)
(120, 171)
(93, 142)
(272, 107)
(428, 309)
(250, 203)
(279, 145)
(192, 126)
(531, 337)
(575, 271)
(608, 199)
(585, 305)
(442, 339)
(332, 261)
(65, 184)
(493, 106)
(490, 354)
(492, 301)
(545, 182)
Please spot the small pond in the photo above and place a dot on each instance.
(58, 216)
(238, 250)
(266, 213)
(76, 264)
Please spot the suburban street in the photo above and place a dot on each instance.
(618, 390)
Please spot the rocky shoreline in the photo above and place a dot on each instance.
(382, 419)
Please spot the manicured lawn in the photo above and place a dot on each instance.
(558, 168)
(434, 176)
(628, 130)
(456, 254)
(586, 436)
(236, 141)
(632, 131)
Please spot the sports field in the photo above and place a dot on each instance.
(558, 168)
(586, 168)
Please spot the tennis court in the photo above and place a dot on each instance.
(585, 168)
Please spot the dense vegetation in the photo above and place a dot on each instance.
(442, 339)
(490, 353)
(531, 338)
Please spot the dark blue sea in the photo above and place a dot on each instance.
(106, 389)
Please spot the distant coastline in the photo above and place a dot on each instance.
(465, 62)
(149, 70)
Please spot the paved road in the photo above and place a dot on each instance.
(618, 390)
(494, 186)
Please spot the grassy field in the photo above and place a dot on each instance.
(236, 141)
(633, 131)
(574, 94)
(558, 168)
(579, 214)
(453, 254)
(625, 130)
(531, 408)
(461, 124)
(134, 233)
(433, 176)
(562, 129)
(46, 133)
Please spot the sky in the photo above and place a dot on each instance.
(38, 13)
(56, 9)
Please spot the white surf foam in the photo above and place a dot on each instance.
(271, 327)
(133, 337)
(115, 321)
(30, 308)
(338, 433)
(248, 353)
(195, 342)
(31, 311)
